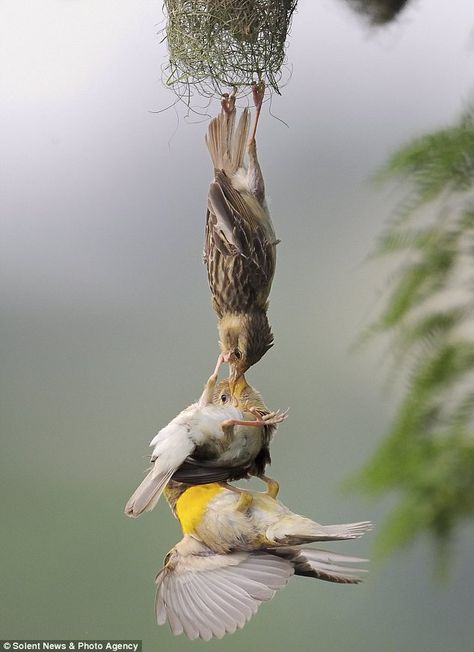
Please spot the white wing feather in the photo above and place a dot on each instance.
(221, 596)
(172, 446)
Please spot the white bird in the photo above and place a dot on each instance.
(215, 433)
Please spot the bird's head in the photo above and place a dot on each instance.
(237, 393)
(244, 339)
(222, 394)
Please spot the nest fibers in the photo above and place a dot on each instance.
(215, 44)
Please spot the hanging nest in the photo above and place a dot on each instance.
(217, 44)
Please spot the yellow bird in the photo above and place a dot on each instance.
(229, 561)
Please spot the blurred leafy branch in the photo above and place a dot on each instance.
(427, 457)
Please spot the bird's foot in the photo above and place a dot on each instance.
(228, 101)
(258, 93)
(245, 500)
(245, 497)
(269, 419)
(273, 488)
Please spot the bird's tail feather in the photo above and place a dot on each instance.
(323, 565)
(348, 530)
(148, 493)
(296, 531)
(226, 145)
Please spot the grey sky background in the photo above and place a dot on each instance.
(107, 329)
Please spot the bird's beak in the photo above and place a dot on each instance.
(238, 386)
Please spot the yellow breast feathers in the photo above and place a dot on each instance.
(192, 505)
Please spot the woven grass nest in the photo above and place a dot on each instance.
(216, 44)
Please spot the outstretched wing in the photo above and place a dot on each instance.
(206, 596)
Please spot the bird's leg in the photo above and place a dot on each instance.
(254, 174)
(245, 499)
(230, 423)
(273, 487)
(206, 396)
(223, 357)
(268, 419)
(228, 101)
(258, 93)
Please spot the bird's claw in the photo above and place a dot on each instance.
(274, 418)
(273, 487)
(258, 93)
(271, 418)
(256, 413)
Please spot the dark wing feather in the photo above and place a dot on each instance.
(240, 249)
(263, 458)
(225, 222)
(204, 472)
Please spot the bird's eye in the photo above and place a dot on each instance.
(237, 354)
(223, 398)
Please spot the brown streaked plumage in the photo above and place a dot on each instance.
(240, 244)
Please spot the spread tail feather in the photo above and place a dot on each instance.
(226, 146)
(148, 493)
(348, 530)
(323, 565)
(298, 530)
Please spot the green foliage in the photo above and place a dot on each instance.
(436, 162)
(427, 457)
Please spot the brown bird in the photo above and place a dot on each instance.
(229, 561)
(216, 439)
(240, 244)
